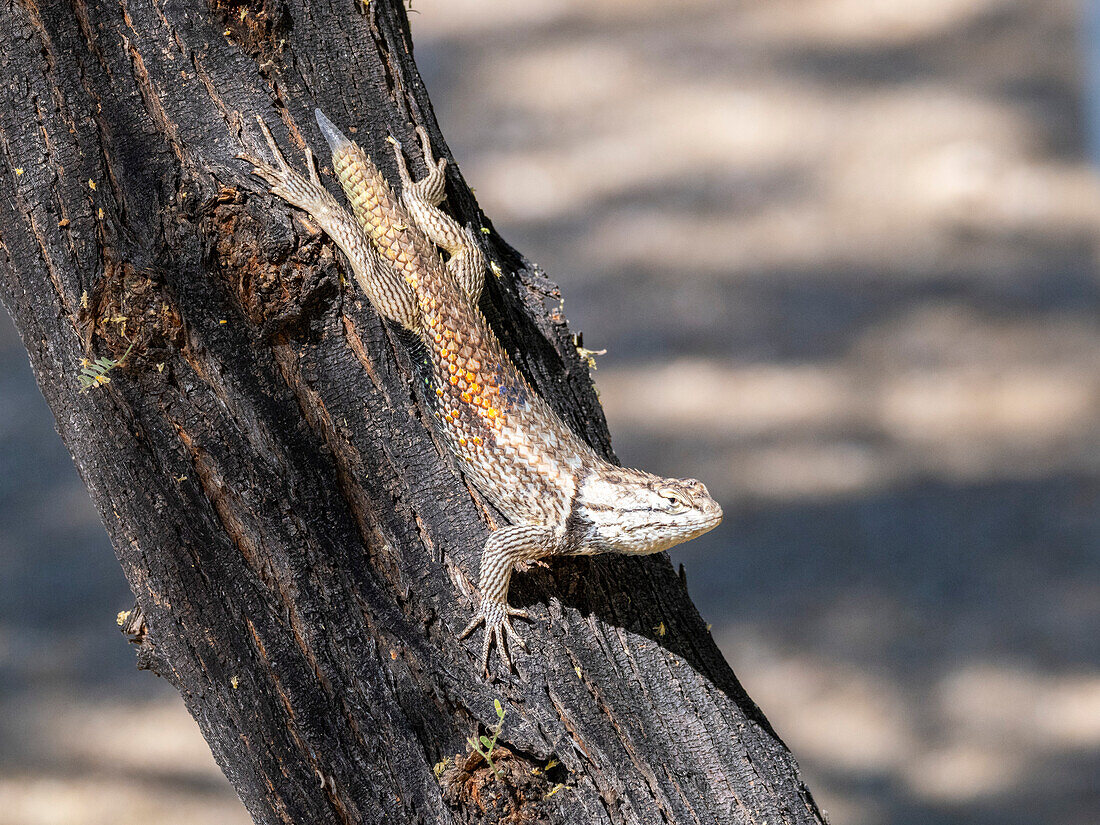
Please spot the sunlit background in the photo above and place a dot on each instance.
(842, 256)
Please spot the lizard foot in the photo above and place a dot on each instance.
(430, 189)
(497, 619)
(305, 193)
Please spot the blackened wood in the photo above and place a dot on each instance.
(301, 550)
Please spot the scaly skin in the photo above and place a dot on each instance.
(560, 497)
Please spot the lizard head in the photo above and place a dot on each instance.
(637, 513)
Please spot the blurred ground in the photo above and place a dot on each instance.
(842, 256)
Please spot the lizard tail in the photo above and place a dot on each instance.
(333, 136)
(395, 236)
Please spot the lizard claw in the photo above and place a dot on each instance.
(279, 159)
(305, 192)
(281, 175)
(497, 619)
(262, 169)
(430, 188)
(426, 150)
(399, 157)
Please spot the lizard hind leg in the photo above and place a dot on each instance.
(387, 292)
(421, 199)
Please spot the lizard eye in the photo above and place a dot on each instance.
(676, 501)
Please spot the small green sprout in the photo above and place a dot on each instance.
(94, 373)
(485, 745)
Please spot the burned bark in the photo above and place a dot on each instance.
(301, 550)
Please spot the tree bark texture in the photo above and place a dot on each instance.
(301, 548)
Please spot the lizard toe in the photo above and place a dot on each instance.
(279, 159)
(472, 626)
(498, 631)
(502, 646)
(486, 648)
(512, 634)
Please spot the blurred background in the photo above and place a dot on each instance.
(842, 256)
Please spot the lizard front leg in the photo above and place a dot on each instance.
(506, 546)
(421, 199)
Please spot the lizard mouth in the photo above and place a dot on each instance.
(709, 522)
(710, 514)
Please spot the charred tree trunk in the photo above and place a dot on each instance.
(301, 549)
